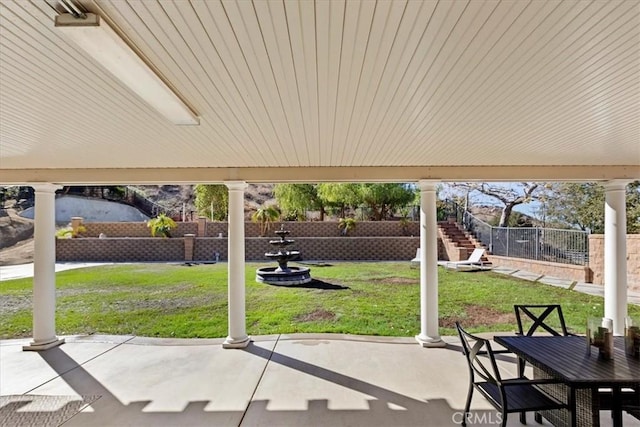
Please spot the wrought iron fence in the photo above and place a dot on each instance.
(543, 244)
(149, 207)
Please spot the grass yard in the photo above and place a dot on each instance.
(383, 298)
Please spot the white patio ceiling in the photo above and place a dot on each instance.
(329, 91)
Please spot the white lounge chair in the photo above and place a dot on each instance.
(474, 262)
(415, 263)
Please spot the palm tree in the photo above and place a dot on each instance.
(162, 225)
(265, 216)
(346, 225)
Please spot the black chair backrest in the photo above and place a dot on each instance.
(473, 347)
(540, 316)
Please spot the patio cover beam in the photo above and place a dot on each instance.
(206, 175)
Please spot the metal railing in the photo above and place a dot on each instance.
(138, 199)
(542, 244)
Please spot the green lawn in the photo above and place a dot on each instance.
(168, 300)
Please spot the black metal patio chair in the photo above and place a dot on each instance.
(540, 317)
(506, 395)
(533, 318)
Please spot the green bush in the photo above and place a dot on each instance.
(161, 225)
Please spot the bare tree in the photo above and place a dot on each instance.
(509, 196)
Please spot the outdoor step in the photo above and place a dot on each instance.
(459, 238)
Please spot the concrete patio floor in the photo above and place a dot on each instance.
(278, 380)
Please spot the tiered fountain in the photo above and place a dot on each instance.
(283, 275)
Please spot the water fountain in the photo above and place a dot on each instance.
(283, 275)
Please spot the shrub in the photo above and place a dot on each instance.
(346, 225)
(265, 216)
(161, 225)
(69, 232)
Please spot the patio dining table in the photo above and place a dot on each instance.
(580, 374)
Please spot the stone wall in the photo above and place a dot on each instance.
(205, 241)
(208, 249)
(317, 248)
(133, 229)
(330, 229)
(596, 259)
(297, 229)
(128, 249)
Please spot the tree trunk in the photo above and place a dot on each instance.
(504, 217)
(377, 213)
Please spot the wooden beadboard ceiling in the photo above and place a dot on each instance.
(329, 90)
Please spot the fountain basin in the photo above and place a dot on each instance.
(275, 276)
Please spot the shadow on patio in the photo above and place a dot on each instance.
(317, 380)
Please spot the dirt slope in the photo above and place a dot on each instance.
(20, 253)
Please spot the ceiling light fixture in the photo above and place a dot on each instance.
(95, 37)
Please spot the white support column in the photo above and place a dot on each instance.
(615, 254)
(44, 269)
(429, 336)
(238, 337)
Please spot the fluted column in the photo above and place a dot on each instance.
(429, 336)
(44, 269)
(238, 337)
(615, 254)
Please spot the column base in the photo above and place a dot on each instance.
(35, 346)
(426, 341)
(236, 343)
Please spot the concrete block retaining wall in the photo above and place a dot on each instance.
(203, 240)
(204, 228)
(134, 229)
(178, 249)
(593, 273)
(317, 248)
(128, 249)
(596, 259)
(579, 273)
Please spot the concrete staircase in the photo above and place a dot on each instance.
(458, 243)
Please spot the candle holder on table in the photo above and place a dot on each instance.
(632, 337)
(600, 335)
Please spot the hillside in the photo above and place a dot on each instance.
(16, 238)
(14, 228)
(172, 197)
